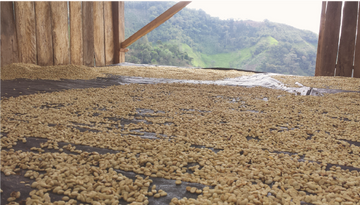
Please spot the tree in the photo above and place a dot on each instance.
(154, 55)
(146, 57)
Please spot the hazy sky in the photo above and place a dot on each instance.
(299, 14)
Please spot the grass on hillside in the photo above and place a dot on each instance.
(236, 59)
(197, 60)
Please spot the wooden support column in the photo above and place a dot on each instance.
(122, 30)
(59, 17)
(109, 34)
(76, 36)
(25, 29)
(118, 29)
(321, 38)
(44, 42)
(99, 38)
(9, 45)
(155, 23)
(88, 33)
(347, 40)
(329, 43)
(357, 50)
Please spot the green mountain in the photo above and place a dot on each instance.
(192, 37)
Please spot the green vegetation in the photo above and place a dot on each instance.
(193, 38)
(144, 52)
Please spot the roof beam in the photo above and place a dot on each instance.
(154, 23)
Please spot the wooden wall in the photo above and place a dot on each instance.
(339, 40)
(43, 33)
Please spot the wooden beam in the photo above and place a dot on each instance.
(76, 36)
(118, 18)
(121, 29)
(59, 17)
(155, 23)
(9, 45)
(347, 39)
(357, 51)
(115, 23)
(109, 34)
(88, 33)
(331, 38)
(44, 44)
(99, 38)
(321, 37)
(25, 29)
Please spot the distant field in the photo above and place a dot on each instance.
(241, 59)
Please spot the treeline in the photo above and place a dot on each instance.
(287, 59)
(145, 52)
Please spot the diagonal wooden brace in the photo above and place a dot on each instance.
(154, 23)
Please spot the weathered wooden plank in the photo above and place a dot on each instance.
(76, 36)
(25, 29)
(357, 51)
(9, 46)
(321, 37)
(88, 33)
(115, 18)
(59, 16)
(347, 40)
(44, 47)
(99, 38)
(331, 38)
(109, 34)
(155, 23)
(121, 30)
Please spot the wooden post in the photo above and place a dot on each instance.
(347, 40)
(88, 33)
(25, 29)
(9, 45)
(155, 23)
(43, 34)
(109, 34)
(59, 16)
(115, 6)
(357, 51)
(99, 40)
(121, 30)
(76, 36)
(321, 37)
(331, 39)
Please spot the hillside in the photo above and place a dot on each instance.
(192, 37)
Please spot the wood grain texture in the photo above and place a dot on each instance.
(60, 32)
(25, 29)
(9, 45)
(155, 23)
(320, 40)
(109, 33)
(121, 29)
(115, 18)
(76, 35)
(357, 51)
(88, 33)
(43, 34)
(331, 38)
(99, 33)
(347, 40)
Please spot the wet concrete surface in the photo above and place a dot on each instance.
(14, 88)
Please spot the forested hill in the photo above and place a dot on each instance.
(192, 37)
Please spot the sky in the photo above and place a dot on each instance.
(303, 14)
